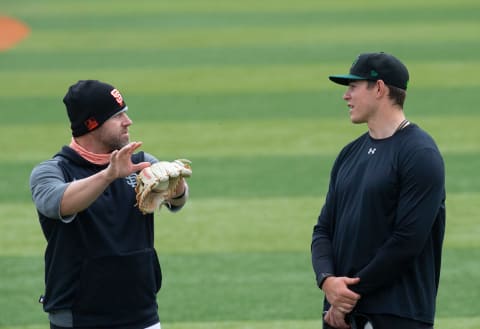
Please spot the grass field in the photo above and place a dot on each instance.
(241, 89)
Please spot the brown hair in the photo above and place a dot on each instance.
(397, 95)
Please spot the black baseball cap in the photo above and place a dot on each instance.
(373, 67)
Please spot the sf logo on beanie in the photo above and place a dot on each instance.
(118, 97)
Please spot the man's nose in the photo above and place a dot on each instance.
(126, 119)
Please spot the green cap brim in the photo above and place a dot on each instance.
(345, 79)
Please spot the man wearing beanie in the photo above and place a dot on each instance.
(377, 245)
(101, 268)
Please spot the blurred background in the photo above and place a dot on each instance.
(241, 89)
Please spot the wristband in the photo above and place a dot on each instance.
(181, 195)
(323, 276)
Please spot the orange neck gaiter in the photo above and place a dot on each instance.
(98, 159)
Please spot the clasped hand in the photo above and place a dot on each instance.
(341, 299)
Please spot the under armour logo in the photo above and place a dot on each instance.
(371, 150)
(131, 180)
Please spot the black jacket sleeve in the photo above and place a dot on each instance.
(321, 246)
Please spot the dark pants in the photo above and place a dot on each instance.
(52, 326)
(380, 321)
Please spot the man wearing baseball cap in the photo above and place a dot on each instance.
(377, 245)
(101, 268)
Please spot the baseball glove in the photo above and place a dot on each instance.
(157, 184)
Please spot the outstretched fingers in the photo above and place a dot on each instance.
(140, 166)
(121, 161)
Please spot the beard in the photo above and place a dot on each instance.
(117, 144)
(112, 140)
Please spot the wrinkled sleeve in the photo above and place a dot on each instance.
(150, 158)
(321, 247)
(47, 185)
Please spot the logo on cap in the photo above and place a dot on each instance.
(118, 97)
(91, 123)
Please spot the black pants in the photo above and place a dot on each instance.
(52, 326)
(380, 321)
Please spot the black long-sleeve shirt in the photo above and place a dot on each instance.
(384, 221)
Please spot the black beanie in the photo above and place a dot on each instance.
(90, 103)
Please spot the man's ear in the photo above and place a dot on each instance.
(381, 88)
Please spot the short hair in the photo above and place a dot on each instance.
(397, 95)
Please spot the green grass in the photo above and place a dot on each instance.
(240, 88)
